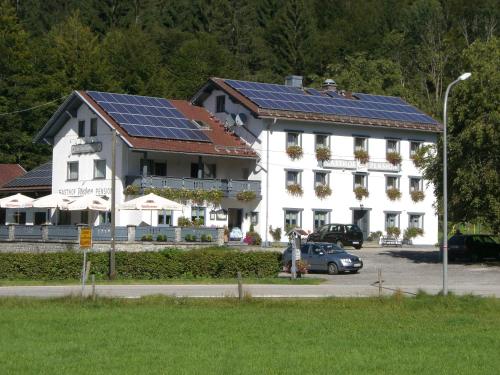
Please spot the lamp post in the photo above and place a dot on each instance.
(463, 77)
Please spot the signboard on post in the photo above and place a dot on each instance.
(85, 238)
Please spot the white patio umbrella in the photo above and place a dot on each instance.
(90, 203)
(16, 201)
(55, 201)
(151, 202)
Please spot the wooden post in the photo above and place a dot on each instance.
(87, 271)
(240, 287)
(93, 287)
(380, 282)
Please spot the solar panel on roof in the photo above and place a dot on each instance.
(288, 98)
(144, 116)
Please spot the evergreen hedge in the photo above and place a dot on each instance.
(141, 265)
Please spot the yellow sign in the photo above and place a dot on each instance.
(85, 238)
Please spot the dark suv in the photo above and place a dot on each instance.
(473, 246)
(340, 234)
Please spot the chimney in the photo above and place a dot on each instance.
(329, 85)
(293, 81)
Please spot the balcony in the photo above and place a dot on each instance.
(230, 188)
(355, 165)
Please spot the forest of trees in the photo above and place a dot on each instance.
(408, 48)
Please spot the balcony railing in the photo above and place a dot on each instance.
(229, 187)
(357, 166)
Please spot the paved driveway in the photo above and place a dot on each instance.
(407, 269)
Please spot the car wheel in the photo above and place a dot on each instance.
(340, 244)
(355, 271)
(288, 267)
(357, 247)
(332, 269)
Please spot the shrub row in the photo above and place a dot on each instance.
(141, 265)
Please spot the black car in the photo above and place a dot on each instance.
(324, 257)
(339, 234)
(473, 246)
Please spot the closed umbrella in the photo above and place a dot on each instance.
(151, 202)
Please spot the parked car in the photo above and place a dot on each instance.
(324, 257)
(236, 234)
(473, 246)
(339, 234)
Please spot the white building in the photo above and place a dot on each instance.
(276, 117)
(240, 152)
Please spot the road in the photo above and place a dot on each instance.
(407, 269)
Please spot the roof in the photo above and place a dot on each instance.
(220, 141)
(292, 103)
(39, 178)
(9, 172)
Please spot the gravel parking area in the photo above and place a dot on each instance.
(414, 268)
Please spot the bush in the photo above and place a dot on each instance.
(393, 231)
(411, 233)
(141, 265)
(276, 233)
(206, 238)
(183, 222)
(147, 237)
(252, 238)
(375, 236)
(190, 238)
(161, 238)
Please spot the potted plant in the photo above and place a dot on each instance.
(393, 193)
(132, 190)
(360, 192)
(362, 156)
(294, 152)
(323, 191)
(275, 233)
(246, 196)
(295, 190)
(410, 233)
(393, 157)
(393, 231)
(323, 154)
(301, 267)
(419, 156)
(417, 195)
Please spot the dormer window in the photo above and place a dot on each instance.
(220, 105)
(81, 128)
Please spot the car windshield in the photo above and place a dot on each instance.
(352, 228)
(330, 248)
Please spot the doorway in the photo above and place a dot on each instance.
(234, 218)
(362, 219)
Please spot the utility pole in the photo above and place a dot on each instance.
(112, 270)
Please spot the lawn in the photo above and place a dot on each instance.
(157, 335)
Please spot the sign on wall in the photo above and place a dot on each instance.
(86, 148)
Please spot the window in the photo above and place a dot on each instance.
(292, 219)
(292, 178)
(414, 147)
(392, 145)
(220, 104)
(84, 217)
(20, 218)
(415, 184)
(198, 213)
(391, 182)
(146, 167)
(165, 218)
(207, 170)
(391, 220)
(320, 178)
(360, 180)
(99, 169)
(64, 217)
(104, 218)
(416, 221)
(320, 218)
(360, 144)
(93, 127)
(72, 171)
(81, 128)
(40, 218)
(292, 139)
(321, 141)
(160, 169)
(254, 218)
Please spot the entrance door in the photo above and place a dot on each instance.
(234, 218)
(362, 219)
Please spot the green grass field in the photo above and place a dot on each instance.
(422, 335)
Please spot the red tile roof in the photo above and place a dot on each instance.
(223, 143)
(10, 171)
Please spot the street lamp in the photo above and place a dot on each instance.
(463, 77)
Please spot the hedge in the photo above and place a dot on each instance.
(141, 265)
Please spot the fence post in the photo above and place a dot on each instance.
(240, 286)
(130, 233)
(178, 234)
(12, 232)
(45, 232)
(220, 236)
